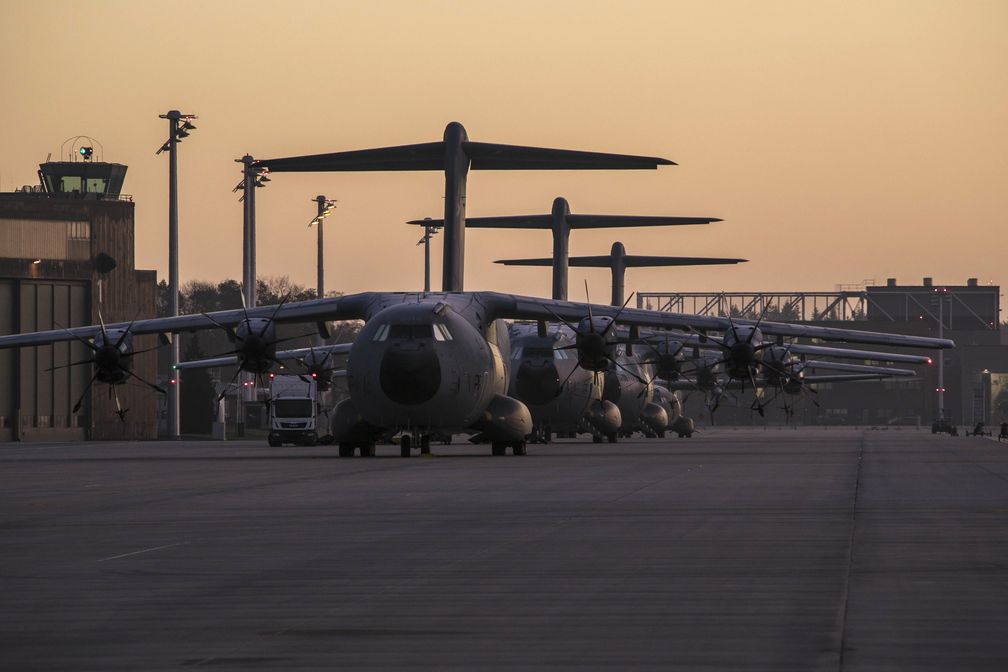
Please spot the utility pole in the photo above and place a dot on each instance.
(247, 187)
(320, 261)
(941, 354)
(430, 229)
(325, 208)
(176, 132)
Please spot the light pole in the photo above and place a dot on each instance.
(941, 294)
(325, 208)
(430, 230)
(179, 126)
(252, 179)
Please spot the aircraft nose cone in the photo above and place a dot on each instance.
(410, 376)
(537, 383)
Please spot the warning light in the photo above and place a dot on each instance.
(929, 361)
(86, 152)
(172, 381)
(314, 375)
(272, 376)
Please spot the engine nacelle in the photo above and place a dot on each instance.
(505, 419)
(604, 416)
(655, 417)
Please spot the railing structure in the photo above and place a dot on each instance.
(798, 306)
(845, 305)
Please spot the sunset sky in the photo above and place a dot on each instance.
(839, 141)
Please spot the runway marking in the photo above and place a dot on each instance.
(145, 550)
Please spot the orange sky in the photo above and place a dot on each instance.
(838, 140)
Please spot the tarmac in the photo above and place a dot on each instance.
(745, 549)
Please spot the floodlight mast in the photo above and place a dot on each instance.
(175, 134)
(325, 208)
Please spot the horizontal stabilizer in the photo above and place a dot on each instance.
(575, 221)
(605, 261)
(482, 156)
(425, 156)
(491, 156)
(509, 222)
(616, 221)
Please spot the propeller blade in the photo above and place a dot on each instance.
(762, 314)
(232, 334)
(86, 342)
(275, 311)
(120, 411)
(564, 383)
(87, 388)
(67, 366)
(149, 384)
(122, 337)
(591, 326)
(101, 321)
(233, 379)
(618, 313)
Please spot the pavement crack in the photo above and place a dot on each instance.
(845, 597)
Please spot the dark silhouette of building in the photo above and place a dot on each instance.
(52, 238)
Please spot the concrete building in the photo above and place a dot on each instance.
(50, 236)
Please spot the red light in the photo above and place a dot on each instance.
(314, 375)
(172, 381)
(271, 376)
(929, 361)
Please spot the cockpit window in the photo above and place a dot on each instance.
(410, 331)
(381, 334)
(539, 351)
(441, 332)
(517, 353)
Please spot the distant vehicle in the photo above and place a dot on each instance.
(293, 411)
(943, 425)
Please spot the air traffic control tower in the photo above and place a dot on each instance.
(58, 239)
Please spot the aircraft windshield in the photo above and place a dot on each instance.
(411, 331)
(292, 408)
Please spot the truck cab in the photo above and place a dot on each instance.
(293, 411)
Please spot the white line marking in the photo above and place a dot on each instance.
(146, 550)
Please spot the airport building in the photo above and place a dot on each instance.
(66, 253)
(975, 373)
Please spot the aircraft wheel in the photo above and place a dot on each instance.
(498, 448)
(346, 449)
(547, 434)
(367, 450)
(596, 438)
(274, 441)
(518, 448)
(425, 444)
(405, 442)
(612, 437)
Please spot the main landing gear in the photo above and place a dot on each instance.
(347, 449)
(498, 448)
(407, 441)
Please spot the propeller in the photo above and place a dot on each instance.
(112, 363)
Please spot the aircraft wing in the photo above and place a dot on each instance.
(282, 355)
(844, 378)
(350, 307)
(509, 306)
(847, 353)
(857, 368)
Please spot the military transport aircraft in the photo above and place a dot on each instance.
(437, 363)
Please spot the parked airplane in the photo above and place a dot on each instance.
(428, 363)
